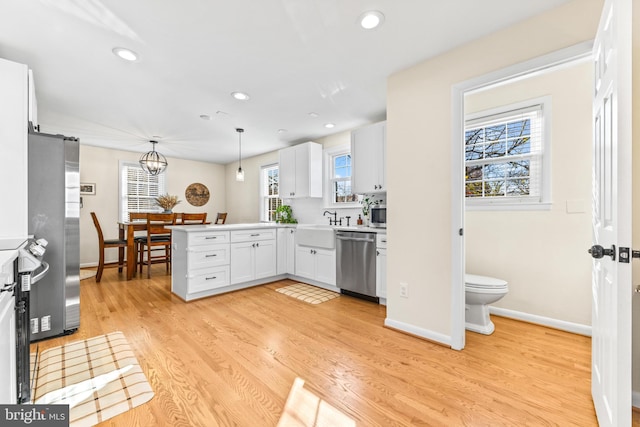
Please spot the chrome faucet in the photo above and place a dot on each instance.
(333, 221)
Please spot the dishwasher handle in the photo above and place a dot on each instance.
(355, 239)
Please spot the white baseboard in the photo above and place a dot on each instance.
(575, 328)
(89, 264)
(419, 332)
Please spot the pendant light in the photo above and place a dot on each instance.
(239, 172)
(153, 162)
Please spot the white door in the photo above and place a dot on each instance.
(242, 262)
(611, 279)
(265, 259)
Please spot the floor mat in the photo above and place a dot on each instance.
(98, 378)
(85, 274)
(308, 293)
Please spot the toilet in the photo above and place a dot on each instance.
(479, 292)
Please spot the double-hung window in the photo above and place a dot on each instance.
(339, 178)
(506, 157)
(271, 200)
(138, 189)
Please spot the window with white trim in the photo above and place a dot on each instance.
(138, 189)
(270, 189)
(339, 173)
(506, 161)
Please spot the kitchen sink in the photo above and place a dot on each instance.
(318, 236)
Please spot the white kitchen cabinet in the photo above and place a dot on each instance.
(13, 149)
(286, 250)
(381, 266)
(316, 264)
(368, 154)
(199, 263)
(300, 171)
(253, 255)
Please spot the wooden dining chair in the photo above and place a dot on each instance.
(158, 238)
(221, 218)
(106, 244)
(193, 218)
(138, 216)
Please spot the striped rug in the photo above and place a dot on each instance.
(98, 378)
(308, 293)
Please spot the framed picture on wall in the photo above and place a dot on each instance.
(87, 188)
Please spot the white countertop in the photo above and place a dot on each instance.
(8, 255)
(251, 226)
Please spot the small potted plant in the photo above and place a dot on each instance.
(167, 202)
(284, 215)
(366, 201)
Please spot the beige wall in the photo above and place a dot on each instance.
(101, 166)
(419, 156)
(542, 254)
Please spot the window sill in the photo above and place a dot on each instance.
(509, 206)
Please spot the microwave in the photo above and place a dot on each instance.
(378, 216)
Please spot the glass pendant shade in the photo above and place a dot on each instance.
(239, 172)
(153, 162)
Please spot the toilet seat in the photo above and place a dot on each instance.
(480, 283)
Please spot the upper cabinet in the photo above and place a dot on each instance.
(301, 171)
(368, 153)
(33, 103)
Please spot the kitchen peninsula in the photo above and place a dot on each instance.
(213, 259)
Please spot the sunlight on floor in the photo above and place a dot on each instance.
(305, 409)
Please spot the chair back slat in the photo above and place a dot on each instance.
(221, 218)
(193, 218)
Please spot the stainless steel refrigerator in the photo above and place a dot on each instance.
(54, 214)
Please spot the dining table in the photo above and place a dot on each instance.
(126, 231)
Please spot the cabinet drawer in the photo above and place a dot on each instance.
(381, 240)
(253, 235)
(207, 256)
(208, 238)
(208, 279)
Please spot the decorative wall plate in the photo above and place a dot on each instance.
(197, 194)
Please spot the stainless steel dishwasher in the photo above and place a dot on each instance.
(356, 264)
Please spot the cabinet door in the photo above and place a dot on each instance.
(305, 262)
(368, 150)
(291, 251)
(265, 259)
(381, 273)
(281, 251)
(325, 266)
(242, 262)
(287, 172)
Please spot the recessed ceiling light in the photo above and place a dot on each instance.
(205, 117)
(126, 54)
(282, 130)
(371, 19)
(329, 125)
(240, 96)
(312, 114)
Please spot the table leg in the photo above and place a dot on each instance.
(131, 255)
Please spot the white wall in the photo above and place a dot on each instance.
(542, 254)
(101, 166)
(636, 197)
(419, 162)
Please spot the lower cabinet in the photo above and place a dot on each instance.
(316, 264)
(253, 259)
(200, 263)
(286, 251)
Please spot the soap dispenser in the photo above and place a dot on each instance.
(359, 219)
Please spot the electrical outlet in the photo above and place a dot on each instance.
(404, 290)
(35, 325)
(45, 323)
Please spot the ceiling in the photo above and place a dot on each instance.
(293, 57)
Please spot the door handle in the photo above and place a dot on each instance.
(598, 252)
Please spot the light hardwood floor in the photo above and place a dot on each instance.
(231, 360)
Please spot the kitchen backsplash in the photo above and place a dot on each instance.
(309, 211)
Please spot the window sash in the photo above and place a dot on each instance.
(500, 173)
(138, 190)
(340, 192)
(270, 185)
